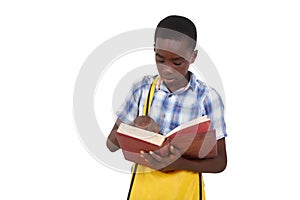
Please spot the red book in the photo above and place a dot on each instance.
(193, 139)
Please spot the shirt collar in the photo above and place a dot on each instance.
(191, 84)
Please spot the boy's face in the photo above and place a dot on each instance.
(173, 58)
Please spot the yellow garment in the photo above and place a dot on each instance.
(149, 184)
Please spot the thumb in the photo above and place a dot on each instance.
(174, 150)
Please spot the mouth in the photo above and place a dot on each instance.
(168, 79)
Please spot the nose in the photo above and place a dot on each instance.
(167, 69)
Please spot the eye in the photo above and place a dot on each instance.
(177, 64)
(160, 61)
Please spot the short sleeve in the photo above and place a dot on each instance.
(131, 107)
(214, 109)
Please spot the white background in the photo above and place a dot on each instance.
(254, 45)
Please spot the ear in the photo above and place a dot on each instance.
(194, 56)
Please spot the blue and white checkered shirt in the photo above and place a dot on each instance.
(170, 109)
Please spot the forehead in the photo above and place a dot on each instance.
(176, 47)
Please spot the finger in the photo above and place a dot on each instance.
(142, 153)
(145, 156)
(155, 156)
(174, 150)
(150, 159)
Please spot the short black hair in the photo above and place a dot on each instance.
(179, 24)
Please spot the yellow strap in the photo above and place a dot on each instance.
(150, 96)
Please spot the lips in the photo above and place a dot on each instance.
(168, 79)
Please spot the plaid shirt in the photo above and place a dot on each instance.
(170, 109)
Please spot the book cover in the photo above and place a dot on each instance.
(193, 139)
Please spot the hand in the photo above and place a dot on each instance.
(162, 163)
(146, 123)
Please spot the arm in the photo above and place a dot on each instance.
(112, 142)
(212, 165)
(175, 162)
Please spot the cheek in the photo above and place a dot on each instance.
(182, 70)
(159, 67)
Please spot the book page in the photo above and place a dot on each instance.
(188, 124)
(141, 134)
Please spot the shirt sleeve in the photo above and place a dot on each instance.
(131, 107)
(214, 108)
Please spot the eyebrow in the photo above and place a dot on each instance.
(174, 59)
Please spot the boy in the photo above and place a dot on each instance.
(178, 97)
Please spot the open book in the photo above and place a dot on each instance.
(193, 139)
